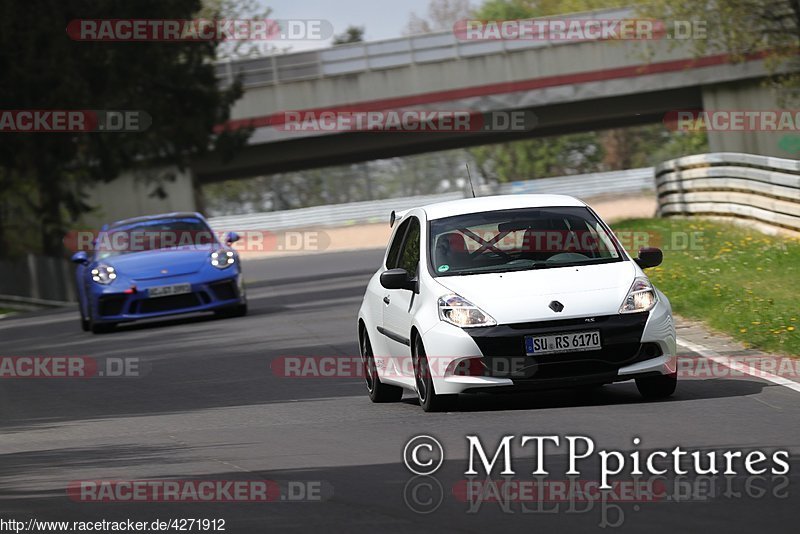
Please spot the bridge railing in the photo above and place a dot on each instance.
(726, 184)
(583, 185)
(384, 54)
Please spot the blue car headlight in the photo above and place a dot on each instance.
(222, 259)
(104, 274)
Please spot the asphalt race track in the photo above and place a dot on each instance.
(209, 406)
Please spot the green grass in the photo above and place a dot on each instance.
(737, 281)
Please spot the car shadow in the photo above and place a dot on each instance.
(199, 317)
(608, 395)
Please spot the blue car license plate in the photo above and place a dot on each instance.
(165, 291)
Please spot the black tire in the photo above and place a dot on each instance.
(428, 398)
(85, 323)
(378, 391)
(102, 328)
(657, 387)
(99, 328)
(240, 310)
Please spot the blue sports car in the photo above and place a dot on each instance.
(155, 266)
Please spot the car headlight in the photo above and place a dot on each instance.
(641, 297)
(104, 274)
(458, 311)
(222, 259)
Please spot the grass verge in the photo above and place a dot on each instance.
(736, 280)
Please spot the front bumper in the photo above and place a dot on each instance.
(113, 305)
(492, 358)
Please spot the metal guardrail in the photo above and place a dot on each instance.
(384, 54)
(728, 184)
(37, 280)
(582, 186)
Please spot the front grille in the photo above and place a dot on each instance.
(224, 290)
(112, 304)
(504, 355)
(172, 302)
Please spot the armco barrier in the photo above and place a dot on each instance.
(728, 184)
(581, 185)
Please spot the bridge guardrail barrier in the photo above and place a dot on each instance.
(384, 54)
(727, 184)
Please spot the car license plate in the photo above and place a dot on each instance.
(567, 342)
(165, 291)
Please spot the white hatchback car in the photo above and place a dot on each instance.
(518, 291)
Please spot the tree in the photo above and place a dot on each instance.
(353, 34)
(240, 10)
(525, 9)
(442, 15)
(539, 158)
(41, 68)
(741, 28)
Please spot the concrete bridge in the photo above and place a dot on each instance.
(569, 86)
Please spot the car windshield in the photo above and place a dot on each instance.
(153, 235)
(519, 239)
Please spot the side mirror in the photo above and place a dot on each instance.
(398, 279)
(231, 237)
(649, 257)
(80, 257)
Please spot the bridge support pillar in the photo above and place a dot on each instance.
(141, 193)
(746, 95)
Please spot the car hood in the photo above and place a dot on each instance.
(522, 296)
(160, 263)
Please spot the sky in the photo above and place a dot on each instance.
(382, 19)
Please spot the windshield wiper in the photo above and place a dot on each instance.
(500, 270)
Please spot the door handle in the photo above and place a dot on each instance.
(386, 300)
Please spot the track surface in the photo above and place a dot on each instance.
(210, 407)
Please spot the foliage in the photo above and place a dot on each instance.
(41, 68)
(712, 279)
(353, 34)
(442, 14)
(743, 27)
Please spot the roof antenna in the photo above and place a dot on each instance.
(469, 175)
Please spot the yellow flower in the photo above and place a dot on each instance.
(790, 328)
(743, 330)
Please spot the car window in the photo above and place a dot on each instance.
(153, 235)
(394, 248)
(409, 257)
(518, 239)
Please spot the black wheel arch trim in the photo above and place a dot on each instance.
(394, 337)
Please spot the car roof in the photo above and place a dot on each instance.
(145, 218)
(497, 202)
